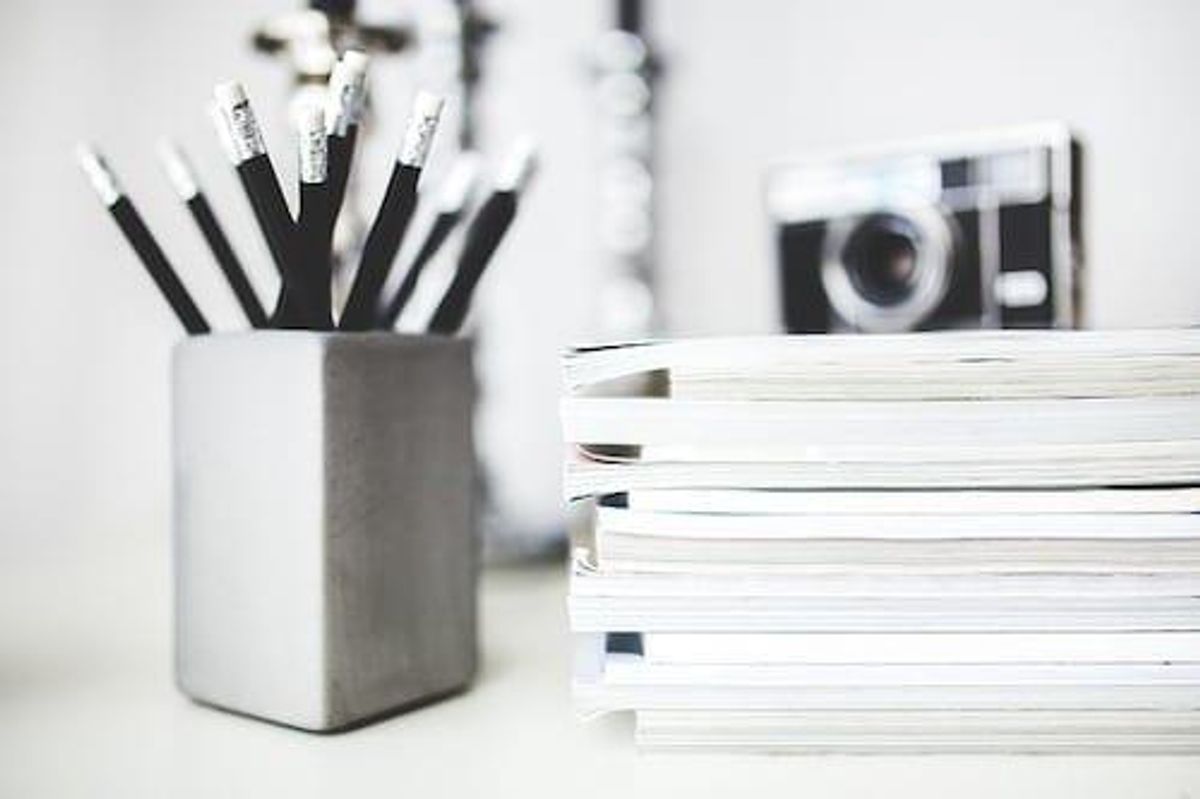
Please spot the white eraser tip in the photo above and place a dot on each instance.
(229, 94)
(87, 156)
(518, 166)
(355, 62)
(244, 134)
(98, 174)
(178, 168)
(459, 182)
(310, 117)
(221, 126)
(346, 92)
(427, 104)
(310, 124)
(422, 125)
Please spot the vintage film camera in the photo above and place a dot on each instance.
(971, 232)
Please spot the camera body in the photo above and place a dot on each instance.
(976, 231)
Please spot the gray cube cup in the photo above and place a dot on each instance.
(324, 546)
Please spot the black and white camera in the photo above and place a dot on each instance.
(979, 231)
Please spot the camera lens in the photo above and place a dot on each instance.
(880, 256)
(887, 270)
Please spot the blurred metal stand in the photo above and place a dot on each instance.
(626, 71)
(453, 35)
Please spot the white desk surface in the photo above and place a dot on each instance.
(87, 708)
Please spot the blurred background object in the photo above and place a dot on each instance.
(746, 87)
(976, 231)
(625, 72)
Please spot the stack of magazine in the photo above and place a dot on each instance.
(949, 542)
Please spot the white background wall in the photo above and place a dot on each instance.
(84, 341)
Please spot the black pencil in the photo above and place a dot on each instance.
(314, 252)
(183, 178)
(139, 236)
(248, 153)
(483, 236)
(346, 101)
(452, 200)
(395, 212)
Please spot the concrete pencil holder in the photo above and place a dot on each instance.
(324, 547)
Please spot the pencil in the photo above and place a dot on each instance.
(151, 255)
(249, 155)
(451, 202)
(314, 247)
(346, 102)
(483, 236)
(395, 212)
(183, 179)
